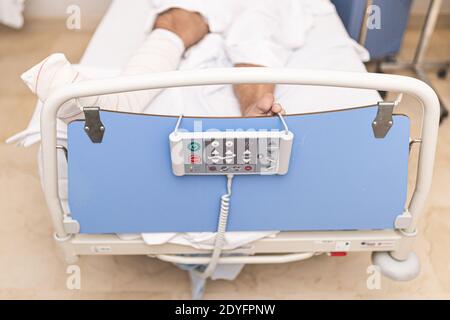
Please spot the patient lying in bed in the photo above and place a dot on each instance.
(255, 33)
(204, 34)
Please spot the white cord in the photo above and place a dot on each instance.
(286, 129)
(177, 126)
(221, 229)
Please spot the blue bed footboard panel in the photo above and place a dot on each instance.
(340, 177)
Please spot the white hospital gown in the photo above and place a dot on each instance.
(261, 32)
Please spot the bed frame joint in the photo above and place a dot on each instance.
(71, 226)
(383, 120)
(93, 126)
(403, 221)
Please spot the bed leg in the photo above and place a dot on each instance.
(400, 265)
(66, 247)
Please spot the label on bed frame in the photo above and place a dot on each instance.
(220, 153)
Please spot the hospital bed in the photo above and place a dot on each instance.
(344, 191)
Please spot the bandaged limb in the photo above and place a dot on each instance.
(162, 50)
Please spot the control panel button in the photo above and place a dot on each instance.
(194, 146)
(231, 153)
(195, 159)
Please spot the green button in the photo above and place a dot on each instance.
(194, 146)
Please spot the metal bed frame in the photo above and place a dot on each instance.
(286, 246)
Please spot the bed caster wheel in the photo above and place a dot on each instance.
(394, 269)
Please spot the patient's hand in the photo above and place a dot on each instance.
(189, 26)
(256, 99)
(264, 106)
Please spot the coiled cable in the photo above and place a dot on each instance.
(221, 229)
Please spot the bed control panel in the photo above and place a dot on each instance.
(221, 153)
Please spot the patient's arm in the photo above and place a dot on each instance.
(174, 31)
(256, 99)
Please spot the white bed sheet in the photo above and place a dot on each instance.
(327, 46)
(120, 33)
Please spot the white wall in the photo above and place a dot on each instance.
(57, 8)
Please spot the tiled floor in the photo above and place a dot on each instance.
(31, 265)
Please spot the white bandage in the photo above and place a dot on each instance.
(49, 75)
(161, 51)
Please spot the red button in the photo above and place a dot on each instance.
(195, 159)
(338, 254)
(248, 168)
